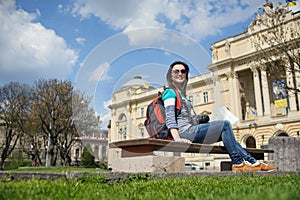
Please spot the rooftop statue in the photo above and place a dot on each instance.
(266, 12)
(268, 8)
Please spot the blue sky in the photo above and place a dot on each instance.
(100, 45)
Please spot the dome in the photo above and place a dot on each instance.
(136, 81)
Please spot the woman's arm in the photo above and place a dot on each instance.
(177, 138)
(169, 98)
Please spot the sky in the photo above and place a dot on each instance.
(100, 45)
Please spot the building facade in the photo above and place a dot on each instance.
(241, 77)
(98, 144)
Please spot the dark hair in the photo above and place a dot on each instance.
(169, 75)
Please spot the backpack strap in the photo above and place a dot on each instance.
(177, 100)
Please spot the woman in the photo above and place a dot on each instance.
(183, 129)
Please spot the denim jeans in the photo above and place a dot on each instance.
(217, 131)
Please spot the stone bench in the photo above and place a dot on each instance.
(137, 155)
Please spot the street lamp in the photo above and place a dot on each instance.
(49, 140)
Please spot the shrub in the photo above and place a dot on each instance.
(87, 158)
(102, 165)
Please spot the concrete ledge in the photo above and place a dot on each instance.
(149, 164)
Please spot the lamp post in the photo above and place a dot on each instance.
(48, 146)
(49, 141)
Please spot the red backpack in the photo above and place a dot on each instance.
(155, 122)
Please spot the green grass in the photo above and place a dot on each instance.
(97, 187)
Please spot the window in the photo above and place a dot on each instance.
(96, 152)
(205, 97)
(191, 99)
(76, 154)
(142, 132)
(142, 112)
(125, 133)
(121, 133)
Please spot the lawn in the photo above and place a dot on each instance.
(144, 187)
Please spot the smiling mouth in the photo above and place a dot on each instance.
(179, 77)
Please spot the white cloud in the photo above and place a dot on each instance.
(106, 116)
(38, 12)
(100, 73)
(197, 19)
(30, 51)
(80, 40)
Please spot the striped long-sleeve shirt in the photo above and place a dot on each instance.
(181, 120)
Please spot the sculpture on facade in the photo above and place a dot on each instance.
(268, 8)
(266, 14)
(227, 48)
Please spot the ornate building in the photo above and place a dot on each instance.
(254, 74)
(98, 144)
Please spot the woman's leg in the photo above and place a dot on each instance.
(246, 156)
(229, 134)
(216, 131)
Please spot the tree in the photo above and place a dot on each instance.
(62, 115)
(35, 140)
(87, 158)
(275, 34)
(14, 109)
(53, 111)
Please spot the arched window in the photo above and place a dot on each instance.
(141, 129)
(250, 142)
(122, 120)
(283, 134)
(122, 117)
(96, 152)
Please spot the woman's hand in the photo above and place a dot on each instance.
(183, 140)
(177, 137)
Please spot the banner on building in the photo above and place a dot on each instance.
(291, 3)
(279, 93)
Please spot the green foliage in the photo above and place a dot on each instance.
(87, 158)
(102, 165)
(138, 177)
(140, 187)
(16, 160)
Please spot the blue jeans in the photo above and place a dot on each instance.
(217, 131)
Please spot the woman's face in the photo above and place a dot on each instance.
(179, 74)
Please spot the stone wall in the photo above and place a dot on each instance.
(287, 153)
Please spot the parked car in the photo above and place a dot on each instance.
(190, 166)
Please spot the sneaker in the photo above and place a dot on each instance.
(252, 168)
(259, 167)
(239, 167)
(265, 167)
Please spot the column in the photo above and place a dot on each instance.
(234, 92)
(265, 91)
(257, 91)
(297, 86)
(290, 84)
(231, 92)
(217, 92)
(134, 133)
(297, 75)
(237, 95)
(128, 130)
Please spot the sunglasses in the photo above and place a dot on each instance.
(176, 71)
